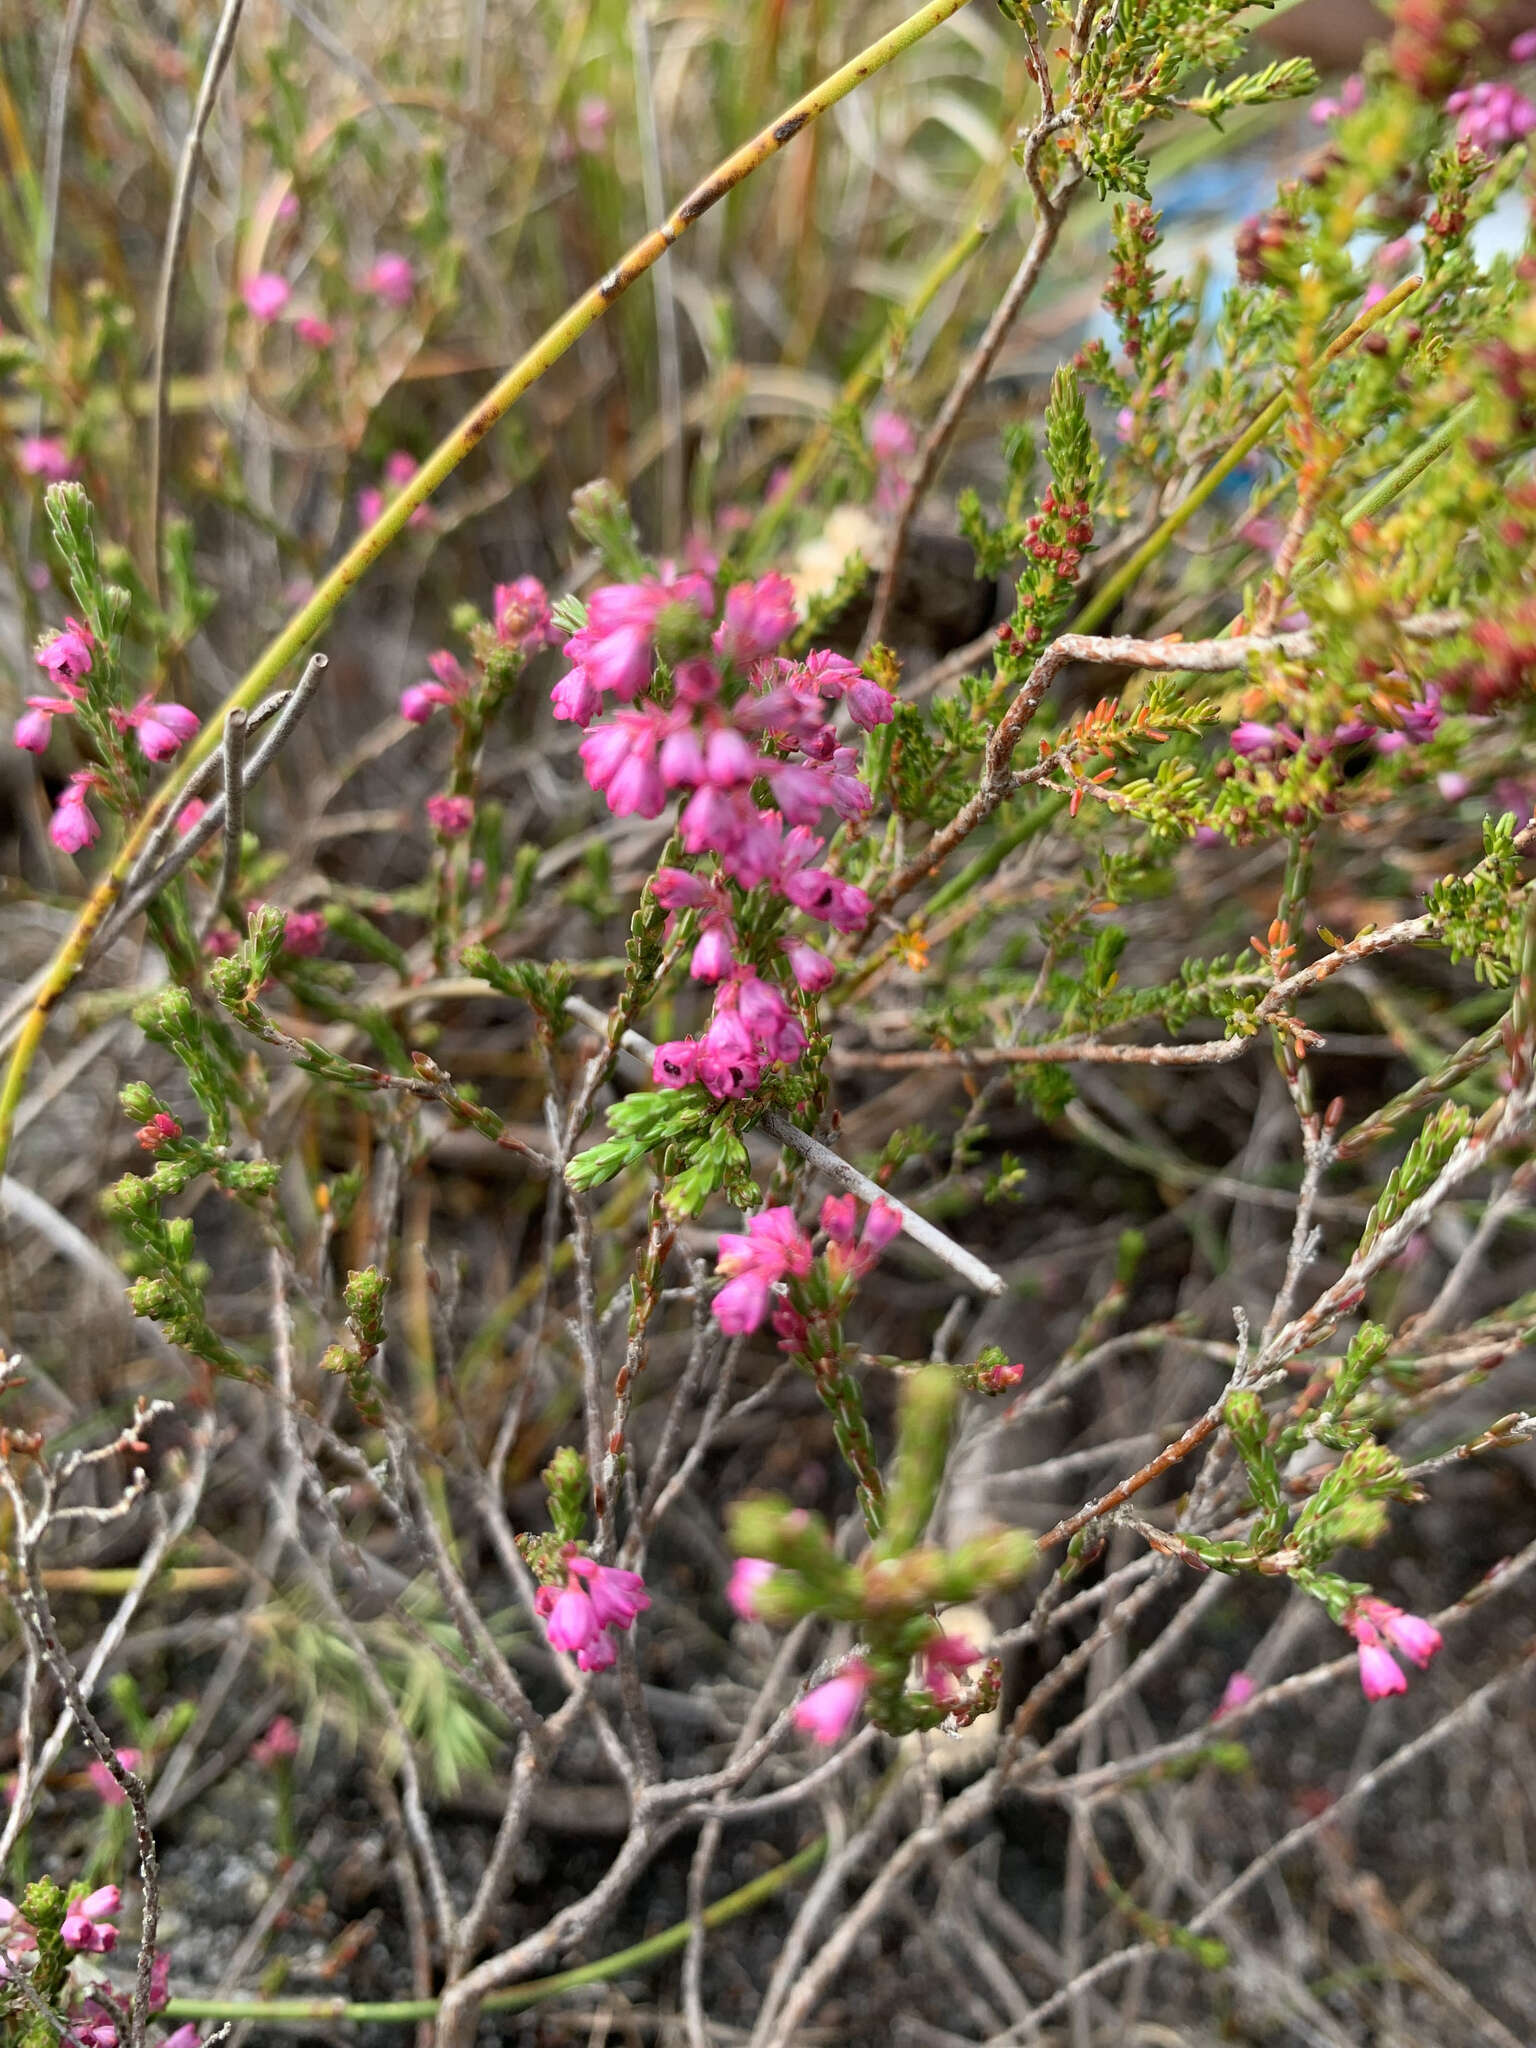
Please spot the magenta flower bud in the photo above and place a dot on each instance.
(418, 703)
(520, 613)
(265, 295)
(729, 760)
(636, 789)
(164, 728)
(760, 1006)
(185, 2036)
(617, 1596)
(280, 1743)
(73, 827)
(32, 731)
(1237, 1692)
(800, 793)
(576, 697)
(1380, 1673)
(840, 1218)
(681, 759)
(316, 332)
(811, 969)
(778, 1241)
(621, 661)
(675, 1064)
(869, 705)
(891, 437)
(1253, 738)
(758, 618)
(748, 1576)
(741, 1304)
(451, 815)
(710, 822)
(677, 889)
(392, 278)
(830, 1711)
(303, 932)
(598, 1654)
(1523, 48)
(881, 1225)
(66, 655)
(942, 1658)
(1416, 1638)
(76, 1932)
(713, 958)
(101, 1904)
(572, 1622)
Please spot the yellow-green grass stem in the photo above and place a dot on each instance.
(440, 464)
(408, 2011)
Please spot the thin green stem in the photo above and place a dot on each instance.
(444, 459)
(407, 2011)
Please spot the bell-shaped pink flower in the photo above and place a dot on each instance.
(811, 969)
(598, 1654)
(66, 654)
(617, 1595)
(573, 1621)
(74, 826)
(748, 1576)
(162, 729)
(392, 278)
(265, 295)
(870, 705)
(451, 815)
(827, 1713)
(1380, 1673)
(576, 697)
(741, 1304)
(32, 730)
(675, 1064)
(40, 455)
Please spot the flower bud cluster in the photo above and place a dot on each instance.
(579, 1617)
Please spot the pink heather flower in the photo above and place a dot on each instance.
(713, 957)
(1492, 114)
(942, 1658)
(317, 332)
(1452, 785)
(572, 1622)
(1237, 1692)
(303, 932)
(881, 1225)
(392, 278)
(74, 827)
(675, 1064)
(617, 1596)
(998, 1378)
(1416, 1638)
(1351, 94)
(728, 759)
(399, 468)
(748, 1576)
(697, 681)
(265, 295)
(104, 1784)
(593, 118)
(869, 705)
(576, 697)
(1380, 1673)
(279, 1745)
(892, 437)
(160, 1128)
(829, 1712)
(822, 895)
(520, 614)
(840, 1218)
(65, 656)
(1252, 738)
(185, 2036)
(620, 761)
(598, 1654)
(161, 729)
(681, 759)
(190, 816)
(677, 889)
(1523, 48)
(33, 729)
(729, 1063)
(370, 503)
(741, 1304)
(452, 686)
(812, 970)
(451, 815)
(41, 456)
(758, 618)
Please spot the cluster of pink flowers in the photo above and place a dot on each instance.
(1421, 720)
(160, 1129)
(892, 443)
(521, 619)
(1375, 1623)
(740, 714)
(828, 1711)
(595, 1599)
(41, 455)
(1491, 114)
(279, 1744)
(87, 1928)
(64, 657)
(399, 468)
(774, 1248)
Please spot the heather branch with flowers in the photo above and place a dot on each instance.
(815, 1268)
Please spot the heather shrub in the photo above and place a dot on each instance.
(770, 1082)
